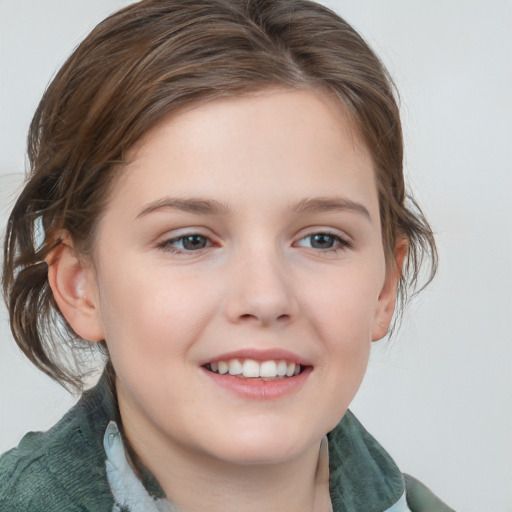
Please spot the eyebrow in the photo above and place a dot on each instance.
(202, 206)
(330, 204)
(190, 205)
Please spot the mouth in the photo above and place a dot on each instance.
(253, 374)
(269, 370)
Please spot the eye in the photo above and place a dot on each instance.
(186, 243)
(323, 241)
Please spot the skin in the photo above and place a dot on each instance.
(260, 282)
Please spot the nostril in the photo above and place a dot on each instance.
(264, 319)
(247, 316)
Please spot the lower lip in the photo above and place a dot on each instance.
(258, 389)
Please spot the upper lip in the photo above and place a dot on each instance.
(260, 355)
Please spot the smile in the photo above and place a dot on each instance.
(252, 369)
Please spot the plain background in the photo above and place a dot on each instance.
(439, 396)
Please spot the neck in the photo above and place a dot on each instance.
(197, 482)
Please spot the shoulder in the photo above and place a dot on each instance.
(29, 477)
(59, 470)
(421, 499)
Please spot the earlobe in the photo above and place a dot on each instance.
(387, 298)
(74, 290)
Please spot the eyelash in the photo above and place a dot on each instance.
(342, 242)
(166, 245)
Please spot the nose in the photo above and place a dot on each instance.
(261, 290)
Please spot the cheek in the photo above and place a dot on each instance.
(344, 306)
(152, 316)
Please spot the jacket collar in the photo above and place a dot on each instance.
(362, 474)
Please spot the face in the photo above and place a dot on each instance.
(242, 239)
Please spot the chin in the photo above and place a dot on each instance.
(263, 444)
(256, 455)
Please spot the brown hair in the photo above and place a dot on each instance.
(149, 60)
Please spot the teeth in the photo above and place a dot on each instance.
(249, 368)
(268, 369)
(281, 368)
(235, 367)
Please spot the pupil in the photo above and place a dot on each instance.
(322, 241)
(194, 242)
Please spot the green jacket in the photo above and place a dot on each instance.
(64, 469)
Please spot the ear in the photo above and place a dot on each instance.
(387, 298)
(74, 288)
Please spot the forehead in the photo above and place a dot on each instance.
(284, 144)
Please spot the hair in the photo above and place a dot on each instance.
(147, 61)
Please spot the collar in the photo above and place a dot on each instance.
(362, 474)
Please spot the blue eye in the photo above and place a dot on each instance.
(323, 241)
(186, 243)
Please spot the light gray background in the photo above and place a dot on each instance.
(439, 397)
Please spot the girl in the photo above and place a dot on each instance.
(216, 202)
